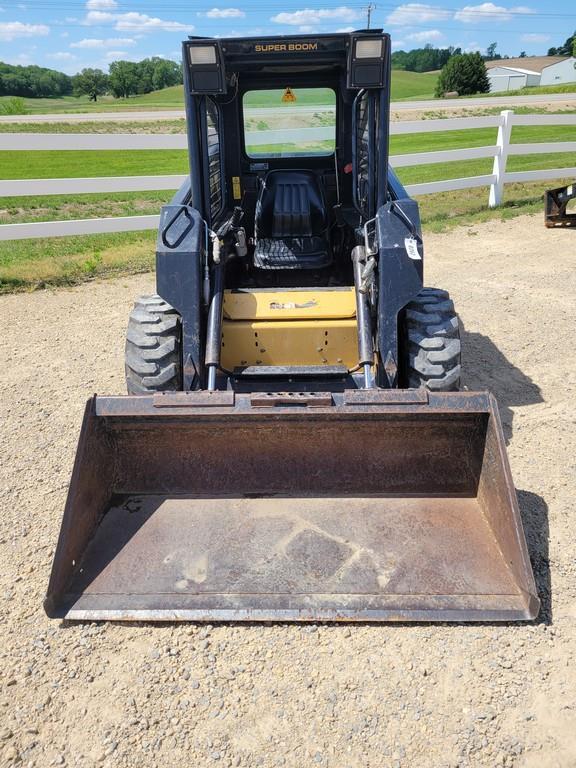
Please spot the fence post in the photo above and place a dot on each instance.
(499, 167)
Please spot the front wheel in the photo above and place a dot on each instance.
(432, 349)
(153, 358)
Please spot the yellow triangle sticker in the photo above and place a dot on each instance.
(288, 96)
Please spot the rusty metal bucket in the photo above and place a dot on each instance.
(358, 506)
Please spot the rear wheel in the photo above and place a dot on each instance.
(153, 347)
(432, 342)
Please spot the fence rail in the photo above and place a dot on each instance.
(65, 142)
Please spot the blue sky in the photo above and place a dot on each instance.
(72, 34)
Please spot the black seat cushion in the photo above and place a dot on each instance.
(291, 222)
(291, 253)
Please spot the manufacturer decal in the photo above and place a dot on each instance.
(281, 47)
(293, 305)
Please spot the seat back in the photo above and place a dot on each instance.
(290, 204)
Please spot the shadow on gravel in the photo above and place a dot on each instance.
(485, 367)
(534, 511)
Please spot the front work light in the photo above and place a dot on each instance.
(368, 49)
(206, 67)
(205, 54)
(366, 60)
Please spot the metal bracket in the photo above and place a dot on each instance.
(196, 399)
(385, 397)
(303, 399)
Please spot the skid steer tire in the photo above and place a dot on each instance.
(432, 336)
(153, 359)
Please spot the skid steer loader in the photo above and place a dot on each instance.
(294, 445)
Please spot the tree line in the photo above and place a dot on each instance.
(568, 49)
(33, 82)
(424, 59)
(124, 79)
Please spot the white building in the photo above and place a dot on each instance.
(511, 74)
(559, 73)
(511, 78)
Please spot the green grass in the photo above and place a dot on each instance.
(467, 207)
(412, 86)
(28, 265)
(98, 126)
(80, 163)
(304, 97)
(17, 210)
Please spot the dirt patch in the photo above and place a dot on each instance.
(288, 695)
(459, 109)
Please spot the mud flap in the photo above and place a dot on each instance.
(357, 506)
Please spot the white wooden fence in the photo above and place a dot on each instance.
(63, 142)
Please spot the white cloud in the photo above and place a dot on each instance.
(427, 35)
(140, 22)
(535, 38)
(135, 22)
(398, 43)
(307, 29)
(61, 56)
(110, 42)
(416, 13)
(21, 58)
(15, 29)
(309, 16)
(115, 55)
(98, 17)
(224, 13)
(346, 29)
(471, 14)
(101, 5)
(472, 48)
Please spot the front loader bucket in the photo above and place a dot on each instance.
(359, 506)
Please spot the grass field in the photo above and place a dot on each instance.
(60, 261)
(405, 85)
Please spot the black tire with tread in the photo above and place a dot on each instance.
(153, 347)
(432, 336)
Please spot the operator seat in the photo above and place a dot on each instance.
(291, 225)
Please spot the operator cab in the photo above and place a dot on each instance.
(288, 148)
(283, 128)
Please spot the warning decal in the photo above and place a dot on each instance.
(288, 95)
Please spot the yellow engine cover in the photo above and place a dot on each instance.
(289, 327)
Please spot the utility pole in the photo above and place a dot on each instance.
(369, 8)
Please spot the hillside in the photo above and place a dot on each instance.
(405, 86)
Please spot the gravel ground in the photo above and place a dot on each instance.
(289, 695)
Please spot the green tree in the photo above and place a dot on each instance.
(33, 81)
(465, 73)
(424, 59)
(123, 79)
(568, 49)
(91, 82)
(166, 73)
(491, 52)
